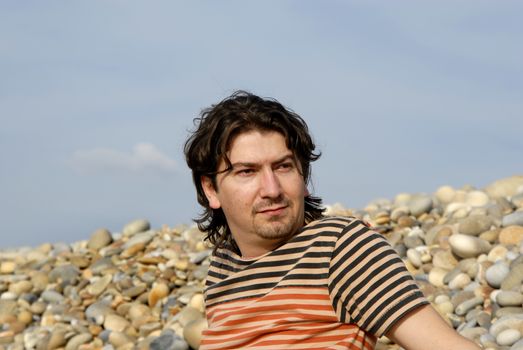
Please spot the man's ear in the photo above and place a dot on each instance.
(306, 192)
(210, 192)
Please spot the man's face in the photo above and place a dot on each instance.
(262, 196)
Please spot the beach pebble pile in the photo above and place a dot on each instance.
(138, 289)
(142, 288)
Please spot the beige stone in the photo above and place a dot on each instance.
(115, 323)
(198, 302)
(437, 275)
(7, 267)
(511, 235)
(158, 292)
(192, 332)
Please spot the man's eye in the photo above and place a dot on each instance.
(285, 166)
(245, 172)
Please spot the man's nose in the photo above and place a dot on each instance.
(270, 184)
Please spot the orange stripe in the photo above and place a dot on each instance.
(305, 317)
(261, 309)
(358, 338)
(283, 329)
(356, 341)
(271, 297)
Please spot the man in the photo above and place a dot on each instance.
(283, 276)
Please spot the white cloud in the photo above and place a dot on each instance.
(144, 158)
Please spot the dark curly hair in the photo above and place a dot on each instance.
(217, 127)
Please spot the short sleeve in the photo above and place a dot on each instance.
(369, 284)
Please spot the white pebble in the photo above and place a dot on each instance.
(508, 337)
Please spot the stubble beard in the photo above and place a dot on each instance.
(278, 227)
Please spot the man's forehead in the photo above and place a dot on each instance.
(249, 147)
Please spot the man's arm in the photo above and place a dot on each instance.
(424, 329)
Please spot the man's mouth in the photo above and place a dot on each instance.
(273, 210)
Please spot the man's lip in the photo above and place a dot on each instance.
(268, 210)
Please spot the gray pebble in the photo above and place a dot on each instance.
(508, 337)
(67, 274)
(99, 239)
(467, 305)
(197, 258)
(496, 274)
(52, 296)
(97, 312)
(487, 340)
(75, 342)
(466, 246)
(517, 200)
(168, 340)
(102, 265)
(514, 279)
(506, 322)
(516, 218)
(509, 298)
(414, 257)
(139, 238)
(413, 241)
(136, 226)
(419, 205)
(475, 224)
(518, 345)
(507, 311)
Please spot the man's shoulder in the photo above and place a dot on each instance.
(335, 222)
(336, 227)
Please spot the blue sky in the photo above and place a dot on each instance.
(97, 97)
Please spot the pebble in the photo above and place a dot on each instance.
(97, 287)
(414, 257)
(99, 239)
(80, 339)
(136, 226)
(515, 218)
(57, 339)
(116, 323)
(497, 253)
(119, 339)
(444, 259)
(506, 322)
(7, 267)
(459, 281)
(139, 238)
(517, 200)
(97, 312)
(466, 246)
(467, 305)
(158, 292)
(67, 274)
(21, 287)
(475, 224)
(169, 340)
(514, 278)
(419, 205)
(511, 235)
(445, 194)
(437, 276)
(51, 296)
(506, 187)
(509, 298)
(508, 337)
(477, 198)
(496, 274)
(192, 332)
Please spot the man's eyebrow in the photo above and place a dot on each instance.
(286, 157)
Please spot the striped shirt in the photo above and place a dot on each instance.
(335, 285)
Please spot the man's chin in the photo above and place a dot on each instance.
(275, 230)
